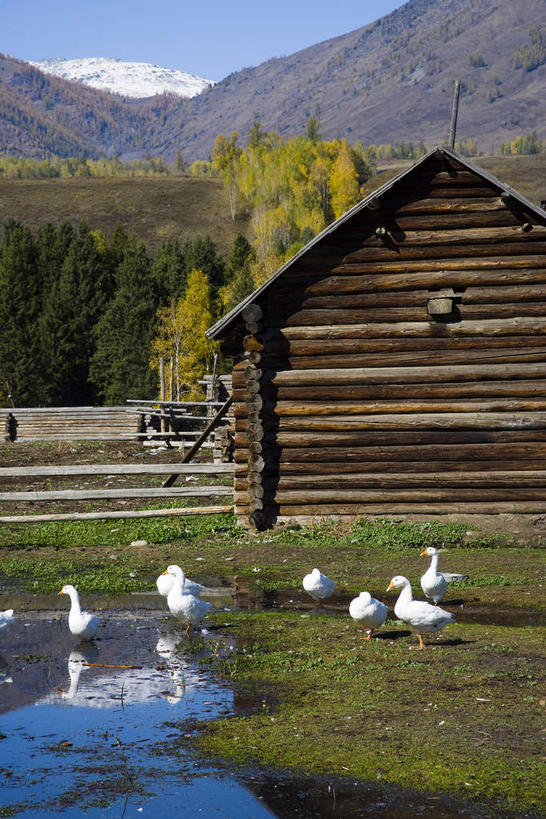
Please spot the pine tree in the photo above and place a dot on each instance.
(169, 270)
(73, 303)
(240, 281)
(120, 365)
(313, 130)
(241, 253)
(200, 254)
(21, 361)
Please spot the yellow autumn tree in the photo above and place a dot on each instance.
(225, 157)
(344, 187)
(181, 337)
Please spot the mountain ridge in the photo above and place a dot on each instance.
(388, 82)
(127, 78)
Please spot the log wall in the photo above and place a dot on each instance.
(352, 395)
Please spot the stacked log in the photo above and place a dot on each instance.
(247, 375)
(74, 423)
(354, 397)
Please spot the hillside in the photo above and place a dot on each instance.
(42, 116)
(387, 82)
(392, 81)
(154, 208)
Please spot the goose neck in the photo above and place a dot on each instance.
(75, 601)
(405, 595)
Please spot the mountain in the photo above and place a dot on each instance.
(42, 115)
(392, 81)
(387, 82)
(129, 79)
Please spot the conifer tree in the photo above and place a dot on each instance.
(169, 270)
(312, 131)
(73, 303)
(119, 367)
(240, 281)
(200, 254)
(21, 363)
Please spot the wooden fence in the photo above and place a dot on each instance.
(107, 493)
(71, 423)
(180, 423)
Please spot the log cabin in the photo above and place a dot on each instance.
(397, 363)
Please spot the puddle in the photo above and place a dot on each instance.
(107, 740)
(465, 612)
(83, 736)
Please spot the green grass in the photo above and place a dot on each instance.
(451, 718)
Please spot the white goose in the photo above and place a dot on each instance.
(368, 611)
(318, 585)
(433, 582)
(186, 607)
(81, 623)
(419, 615)
(165, 582)
(6, 618)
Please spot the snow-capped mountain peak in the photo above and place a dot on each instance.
(127, 78)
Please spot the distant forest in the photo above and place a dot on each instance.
(80, 314)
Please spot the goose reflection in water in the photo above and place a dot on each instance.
(76, 660)
(5, 676)
(186, 678)
(108, 687)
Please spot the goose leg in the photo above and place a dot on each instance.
(187, 632)
(421, 644)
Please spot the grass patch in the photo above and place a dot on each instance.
(449, 719)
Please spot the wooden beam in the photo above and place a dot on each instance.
(202, 438)
(408, 375)
(145, 513)
(486, 327)
(114, 469)
(111, 494)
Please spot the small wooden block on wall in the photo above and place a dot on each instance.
(440, 307)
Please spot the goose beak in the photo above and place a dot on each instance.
(390, 586)
(423, 552)
(61, 592)
(165, 572)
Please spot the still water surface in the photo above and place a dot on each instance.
(95, 741)
(83, 737)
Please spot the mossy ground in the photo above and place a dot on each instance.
(460, 717)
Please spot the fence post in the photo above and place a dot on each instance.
(162, 393)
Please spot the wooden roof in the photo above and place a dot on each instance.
(225, 324)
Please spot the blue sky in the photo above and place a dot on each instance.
(210, 38)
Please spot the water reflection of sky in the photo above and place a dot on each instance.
(99, 741)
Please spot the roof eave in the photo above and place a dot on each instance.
(221, 326)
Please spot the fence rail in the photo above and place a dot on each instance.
(125, 493)
(181, 422)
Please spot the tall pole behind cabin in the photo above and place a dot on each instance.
(454, 113)
(162, 392)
